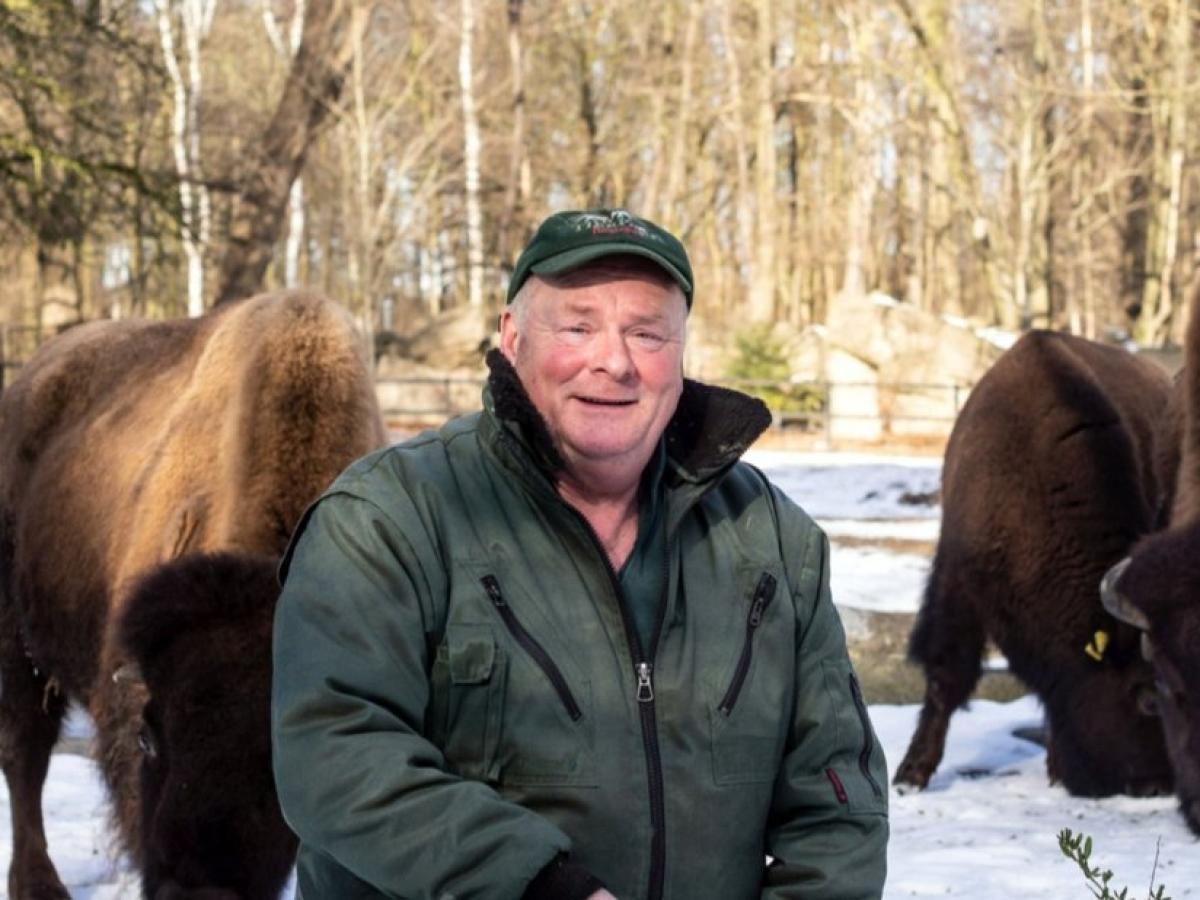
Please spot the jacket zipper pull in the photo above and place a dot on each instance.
(645, 691)
(762, 596)
(493, 591)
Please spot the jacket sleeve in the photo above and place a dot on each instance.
(828, 829)
(358, 781)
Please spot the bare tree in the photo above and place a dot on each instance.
(471, 147)
(194, 18)
(285, 45)
(313, 85)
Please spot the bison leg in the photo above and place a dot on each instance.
(948, 642)
(31, 713)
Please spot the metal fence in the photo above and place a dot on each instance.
(833, 410)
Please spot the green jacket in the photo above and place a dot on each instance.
(459, 700)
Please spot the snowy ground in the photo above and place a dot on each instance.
(986, 827)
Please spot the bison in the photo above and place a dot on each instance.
(150, 476)
(1157, 590)
(1055, 466)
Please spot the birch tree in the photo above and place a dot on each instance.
(471, 145)
(285, 43)
(193, 18)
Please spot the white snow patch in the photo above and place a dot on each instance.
(870, 579)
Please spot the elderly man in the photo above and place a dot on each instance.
(570, 647)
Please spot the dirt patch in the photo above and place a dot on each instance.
(891, 544)
(878, 644)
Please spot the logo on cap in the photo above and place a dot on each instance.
(616, 221)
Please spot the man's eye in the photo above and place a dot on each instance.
(648, 339)
(574, 334)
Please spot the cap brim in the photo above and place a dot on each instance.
(568, 260)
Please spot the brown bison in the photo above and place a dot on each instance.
(150, 475)
(1054, 468)
(1157, 590)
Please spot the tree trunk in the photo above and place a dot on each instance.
(1083, 312)
(743, 201)
(520, 176)
(313, 85)
(865, 161)
(762, 284)
(681, 117)
(285, 47)
(962, 177)
(196, 18)
(471, 147)
(1158, 305)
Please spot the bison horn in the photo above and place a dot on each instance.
(1116, 604)
(1115, 601)
(129, 673)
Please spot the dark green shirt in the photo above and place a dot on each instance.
(643, 576)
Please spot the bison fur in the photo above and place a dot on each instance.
(1052, 471)
(150, 476)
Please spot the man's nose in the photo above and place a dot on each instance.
(611, 354)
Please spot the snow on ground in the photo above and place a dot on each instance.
(862, 500)
(985, 829)
(875, 580)
(853, 485)
(987, 826)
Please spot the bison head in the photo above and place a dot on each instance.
(1157, 590)
(198, 630)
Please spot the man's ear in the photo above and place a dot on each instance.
(509, 338)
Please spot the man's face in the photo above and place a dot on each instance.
(600, 354)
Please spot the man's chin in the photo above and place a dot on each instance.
(594, 451)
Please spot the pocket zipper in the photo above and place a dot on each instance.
(532, 647)
(764, 592)
(864, 758)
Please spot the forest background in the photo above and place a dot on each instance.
(1015, 162)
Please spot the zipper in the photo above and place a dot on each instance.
(864, 757)
(643, 670)
(839, 789)
(532, 647)
(764, 592)
(644, 673)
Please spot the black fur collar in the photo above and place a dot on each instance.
(711, 428)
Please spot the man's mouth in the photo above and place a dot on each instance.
(601, 401)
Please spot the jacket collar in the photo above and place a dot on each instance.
(711, 428)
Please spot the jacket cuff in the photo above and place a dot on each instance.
(562, 879)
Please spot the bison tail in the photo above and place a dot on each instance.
(948, 636)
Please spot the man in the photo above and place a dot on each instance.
(570, 647)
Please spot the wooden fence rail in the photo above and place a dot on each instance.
(833, 409)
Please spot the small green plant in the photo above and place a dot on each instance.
(762, 361)
(1078, 847)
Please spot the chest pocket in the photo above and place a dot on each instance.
(749, 720)
(506, 705)
(546, 736)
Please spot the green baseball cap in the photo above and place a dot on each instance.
(566, 240)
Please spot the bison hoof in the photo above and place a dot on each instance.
(912, 777)
(44, 886)
(1149, 788)
(173, 891)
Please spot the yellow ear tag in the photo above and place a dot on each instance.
(1099, 643)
